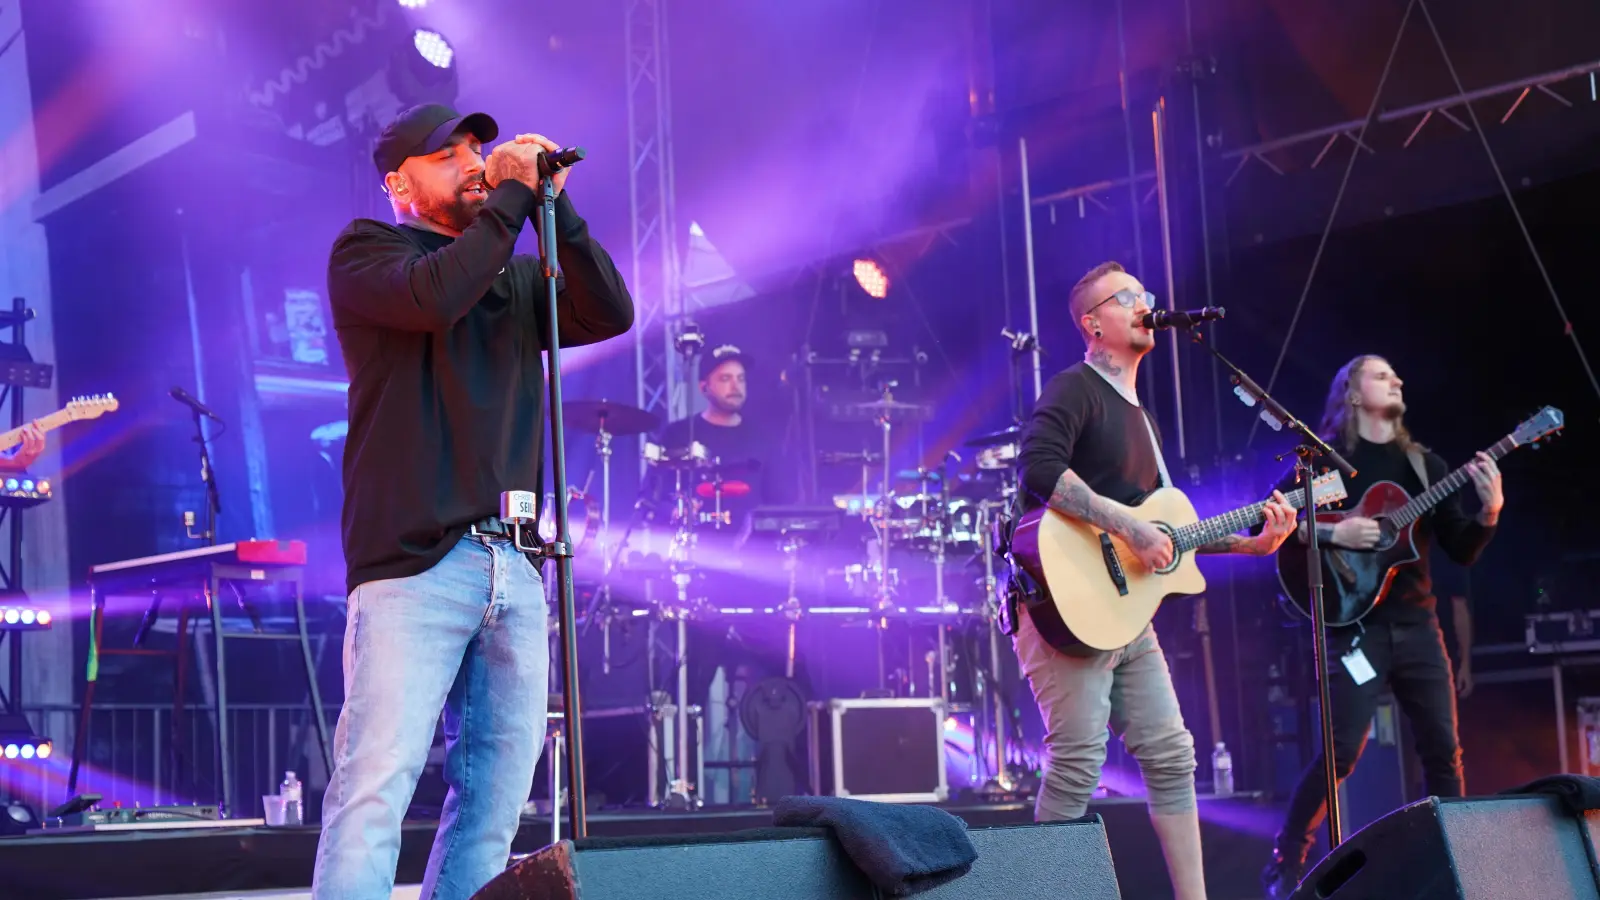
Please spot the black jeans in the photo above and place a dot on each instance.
(1409, 659)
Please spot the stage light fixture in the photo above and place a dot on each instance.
(22, 490)
(413, 4)
(18, 742)
(24, 618)
(871, 278)
(433, 48)
(17, 818)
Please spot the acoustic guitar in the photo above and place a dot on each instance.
(1354, 582)
(1098, 594)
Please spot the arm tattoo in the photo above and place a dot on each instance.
(1233, 543)
(1074, 498)
(1102, 358)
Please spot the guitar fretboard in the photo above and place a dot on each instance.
(12, 438)
(1215, 528)
(1444, 487)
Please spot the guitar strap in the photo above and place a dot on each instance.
(1418, 466)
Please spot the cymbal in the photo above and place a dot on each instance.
(850, 458)
(874, 409)
(616, 418)
(995, 438)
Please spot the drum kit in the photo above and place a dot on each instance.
(865, 556)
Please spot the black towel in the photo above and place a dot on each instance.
(902, 849)
(1580, 793)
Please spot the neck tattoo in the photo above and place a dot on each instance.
(1101, 357)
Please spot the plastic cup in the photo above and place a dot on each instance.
(276, 808)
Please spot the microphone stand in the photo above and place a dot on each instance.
(208, 476)
(1306, 453)
(560, 549)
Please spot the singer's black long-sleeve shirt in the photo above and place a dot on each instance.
(444, 340)
(1081, 422)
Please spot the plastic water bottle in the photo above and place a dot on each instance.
(293, 794)
(1221, 771)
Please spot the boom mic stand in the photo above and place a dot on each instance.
(1311, 447)
(560, 549)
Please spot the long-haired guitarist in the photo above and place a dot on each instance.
(1399, 645)
(1090, 451)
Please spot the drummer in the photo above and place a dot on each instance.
(742, 447)
(731, 571)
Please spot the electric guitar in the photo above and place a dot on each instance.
(77, 410)
(1356, 581)
(1098, 593)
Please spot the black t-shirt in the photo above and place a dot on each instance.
(735, 445)
(444, 341)
(1081, 422)
(1411, 596)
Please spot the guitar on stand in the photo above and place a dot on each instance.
(1358, 580)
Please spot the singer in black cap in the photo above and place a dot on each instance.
(443, 335)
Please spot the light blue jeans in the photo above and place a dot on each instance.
(468, 636)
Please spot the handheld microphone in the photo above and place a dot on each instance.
(183, 396)
(1181, 318)
(564, 158)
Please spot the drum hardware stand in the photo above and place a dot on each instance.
(883, 604)
(689, 342)
(682, 791)
(993, 699)
(791, 605)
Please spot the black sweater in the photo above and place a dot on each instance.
(444, 340)
(1081, 423)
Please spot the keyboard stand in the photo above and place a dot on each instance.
(195, 580)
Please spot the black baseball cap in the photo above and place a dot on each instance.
(424, 129)
(725, 354)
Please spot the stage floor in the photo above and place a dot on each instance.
(276, 864)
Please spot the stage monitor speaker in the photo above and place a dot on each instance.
(1481, 848)
(1064, 861)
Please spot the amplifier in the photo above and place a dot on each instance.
(891, 751)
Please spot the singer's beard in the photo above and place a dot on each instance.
(455, 213)
(1394, 411)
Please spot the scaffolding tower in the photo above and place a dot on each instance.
(661, 385)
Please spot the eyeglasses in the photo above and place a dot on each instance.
(1127, 298)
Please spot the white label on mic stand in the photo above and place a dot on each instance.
(517, 507)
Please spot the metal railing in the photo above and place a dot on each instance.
(130, 755)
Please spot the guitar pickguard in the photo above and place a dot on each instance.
(1350, 577)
